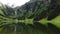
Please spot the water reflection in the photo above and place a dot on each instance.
(53, 28)
(36, 28)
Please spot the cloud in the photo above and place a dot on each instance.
(14, 2)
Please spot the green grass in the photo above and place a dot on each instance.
(56, 21)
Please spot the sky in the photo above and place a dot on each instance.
(14, 2)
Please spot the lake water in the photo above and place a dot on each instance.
(35, 28)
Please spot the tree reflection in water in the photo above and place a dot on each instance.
(36, 28)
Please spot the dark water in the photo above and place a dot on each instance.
(36, 28)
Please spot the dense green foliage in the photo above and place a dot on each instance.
(37, 17)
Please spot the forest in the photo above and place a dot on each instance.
(34, 17)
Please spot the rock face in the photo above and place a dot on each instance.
(32, 6)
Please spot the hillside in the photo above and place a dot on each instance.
(34, 17)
